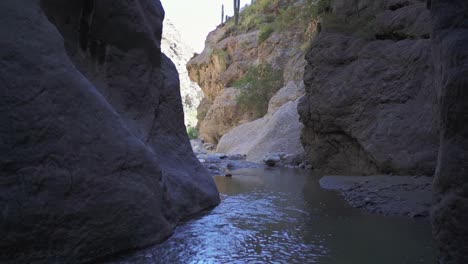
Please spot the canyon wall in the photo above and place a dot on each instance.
(270, 34)
(180, 53)
(450, 50)
(94, 157)
(370, 104)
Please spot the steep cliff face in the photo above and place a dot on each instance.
(278, 131)
(270, 34)
(180, 53)
(94, 157)
(370, 102)
(450, 49)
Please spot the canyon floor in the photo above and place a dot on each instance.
(388, 195)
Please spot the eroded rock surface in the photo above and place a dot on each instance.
(450, 49)
(94, 158)
(278, 131)
(370, 103)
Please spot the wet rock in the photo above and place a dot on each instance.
(271, 159)
(372, 193)
(237, 157)
(213, 167)
(220, 155)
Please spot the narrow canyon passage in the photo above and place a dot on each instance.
(284, 216)
(264, 131)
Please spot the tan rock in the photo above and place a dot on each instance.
(278, 131)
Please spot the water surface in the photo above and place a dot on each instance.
(283, 216)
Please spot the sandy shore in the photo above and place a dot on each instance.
(387, 195)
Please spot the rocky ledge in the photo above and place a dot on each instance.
(385, 194)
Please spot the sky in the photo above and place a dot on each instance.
(196, 18)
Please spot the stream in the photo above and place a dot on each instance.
(283, 216)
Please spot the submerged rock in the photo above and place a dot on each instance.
(384, 194)
(94, 155)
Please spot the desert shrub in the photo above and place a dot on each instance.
(265, 32)
(222, 58)
(258, 86)
(319, 7)
(192, 132)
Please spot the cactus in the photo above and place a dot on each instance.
(236, 11)
(222, 14)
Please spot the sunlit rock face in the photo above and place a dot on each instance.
(450, 50)
(370, 104)
(94, 158)
(278, 131)
(227, 57)
(180, 53)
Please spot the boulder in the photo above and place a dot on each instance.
(197, 146)
(271, 159)
(94, 157)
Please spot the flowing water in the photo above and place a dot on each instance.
(283, 216)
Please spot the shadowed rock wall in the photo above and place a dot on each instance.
(450, 50)
(370, 103)
(94, 157)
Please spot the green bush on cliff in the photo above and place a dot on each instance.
(265, 32)
(320, 7)
(192, 132)
(269, 16)
(258, 86)
(221, 58)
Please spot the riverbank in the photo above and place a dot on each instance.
(385, 195)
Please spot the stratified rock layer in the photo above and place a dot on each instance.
(370, 103)
(94, 158)
(450, 49)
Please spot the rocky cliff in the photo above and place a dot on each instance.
(278, 131)
(270, 42)
(180, 53)
(450, 50)
(370, 102)
(94, 158)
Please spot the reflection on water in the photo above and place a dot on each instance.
(282, 216)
